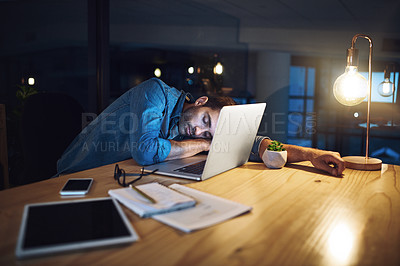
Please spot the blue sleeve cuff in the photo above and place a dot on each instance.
(163, 151)
(254, 155)
(152, 151)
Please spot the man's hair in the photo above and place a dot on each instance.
(217, 102)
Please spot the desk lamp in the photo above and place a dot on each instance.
(350, 89)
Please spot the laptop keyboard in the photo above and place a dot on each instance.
(196, 168)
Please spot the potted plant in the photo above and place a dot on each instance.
(275, 156)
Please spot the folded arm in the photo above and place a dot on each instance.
(187, 148)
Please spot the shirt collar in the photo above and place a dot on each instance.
(176, 114)
(178, 109)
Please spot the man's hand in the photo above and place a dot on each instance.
(327, 161)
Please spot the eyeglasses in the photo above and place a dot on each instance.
(120, 175)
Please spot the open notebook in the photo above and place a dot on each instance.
(165, 199)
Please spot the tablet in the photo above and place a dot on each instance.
(55, 227)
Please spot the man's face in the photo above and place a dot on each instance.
(198, 122)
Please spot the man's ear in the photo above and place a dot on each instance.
(201, 101)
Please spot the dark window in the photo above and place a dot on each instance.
(301, 117)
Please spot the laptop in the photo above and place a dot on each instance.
(72, 225)
(231, 145)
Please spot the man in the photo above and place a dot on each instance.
(153, 122)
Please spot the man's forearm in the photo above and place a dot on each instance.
(328, 161)
(294, 153)
(187, 148)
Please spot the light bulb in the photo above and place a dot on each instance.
(385, 88)
(218, 69)
(157, 72)
(31, 81)
(351, 87)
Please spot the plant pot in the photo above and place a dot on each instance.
(274, 159)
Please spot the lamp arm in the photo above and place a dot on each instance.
(353, 43)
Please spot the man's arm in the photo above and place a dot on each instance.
(328, 161)
(187, 148)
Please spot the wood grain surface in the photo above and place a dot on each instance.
(300, 216)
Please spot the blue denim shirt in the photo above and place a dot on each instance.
(137, 125)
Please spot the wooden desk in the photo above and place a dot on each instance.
(300, 217)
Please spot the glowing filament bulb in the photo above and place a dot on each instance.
(351, 87)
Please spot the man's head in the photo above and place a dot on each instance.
(199, 119)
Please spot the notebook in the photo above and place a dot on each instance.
(165, 199)
(234, 136)
(55, 227)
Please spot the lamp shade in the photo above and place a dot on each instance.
(351, 87)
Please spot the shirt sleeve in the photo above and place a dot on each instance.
(148, 104)
(254, 155)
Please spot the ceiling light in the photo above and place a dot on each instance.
(157, 72)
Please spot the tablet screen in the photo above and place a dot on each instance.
(68, 225)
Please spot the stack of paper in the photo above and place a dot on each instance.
(208, 211)
(173, 204)
(166, 200)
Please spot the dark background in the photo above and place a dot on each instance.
(94, 51)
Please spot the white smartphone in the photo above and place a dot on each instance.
(76, 186)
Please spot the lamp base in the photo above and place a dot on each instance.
(362, 163)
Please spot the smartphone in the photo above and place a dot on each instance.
(76, 186)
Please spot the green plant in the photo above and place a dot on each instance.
(275, 146)
(22, 95)
(24, 92)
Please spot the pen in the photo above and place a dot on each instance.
(143, 194)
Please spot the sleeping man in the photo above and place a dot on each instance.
(153, 122)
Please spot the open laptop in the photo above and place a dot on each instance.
(231, 145)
